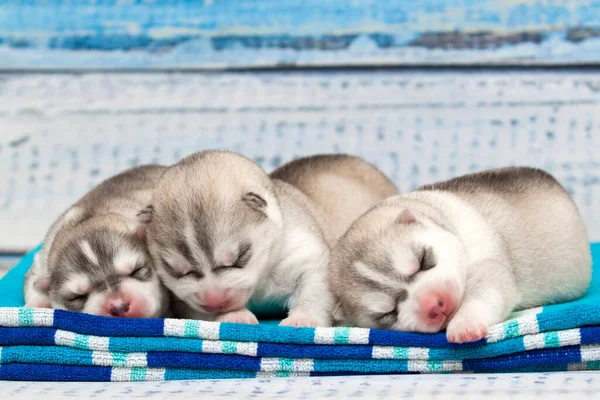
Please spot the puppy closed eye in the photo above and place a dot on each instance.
(178, 274)
(244, 255)
(141, 272)
(223, 268)
(192, 274)
(254, 201)
(76, 299)
(387, 320)
(427, 259)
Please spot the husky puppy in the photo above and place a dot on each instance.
(461, 255)
(223, 232)
(94, 258)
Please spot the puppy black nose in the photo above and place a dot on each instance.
(119, 311)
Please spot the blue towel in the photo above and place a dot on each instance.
(42, 344)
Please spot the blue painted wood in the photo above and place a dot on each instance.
(250, 33)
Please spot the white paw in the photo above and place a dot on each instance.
(300, 320)
(462, 330)
(238, 317)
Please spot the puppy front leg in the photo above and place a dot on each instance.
(490, 296)
(311, 304)
(241, 316)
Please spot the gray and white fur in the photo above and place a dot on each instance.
(461, 255)
(94, 258)
(341, 185)
(223, 232)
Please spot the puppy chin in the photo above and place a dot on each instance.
(433, 327)
(157, 306)
(147, 311)
(196, 307)
(235, 302)
(241, 297)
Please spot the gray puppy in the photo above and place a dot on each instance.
(462, 254)
(223, 232)
(94, 258)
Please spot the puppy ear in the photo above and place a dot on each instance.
(255, 202)
(144, 217)
(42, 284)
(407, 218)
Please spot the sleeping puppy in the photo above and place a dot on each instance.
(461, 255)
(223, 232)
(94, 258)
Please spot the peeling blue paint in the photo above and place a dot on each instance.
(163, 33)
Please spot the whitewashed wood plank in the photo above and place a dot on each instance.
(61, 134)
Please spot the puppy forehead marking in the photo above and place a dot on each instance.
(126, 259)
(78, 283)
(373, 277)
(199, 253)
(183, 250)
(403, 259)
(176, 260)
(224, 257)
(88, 252)
(377, 302)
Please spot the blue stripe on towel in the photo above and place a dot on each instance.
(259, 333)
(60, 373)
(202, 360)
(45, 355)
(590, 335)
(314, 351)
(31, 336)
(105, 326)
(177, 374)
(532, 358)
(155, 344)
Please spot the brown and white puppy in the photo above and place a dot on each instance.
(342, 186)
(223, 232)
(94, 258)
(461, 255)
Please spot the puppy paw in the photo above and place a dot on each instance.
(300, 320)
(463, 330)
(238, 317)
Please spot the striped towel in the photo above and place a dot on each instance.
(42, 344)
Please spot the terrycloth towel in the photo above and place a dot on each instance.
(42, 344)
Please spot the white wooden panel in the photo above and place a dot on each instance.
(61, 134)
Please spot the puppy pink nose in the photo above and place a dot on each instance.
(118, 308)
(435, 308)
(215, 301)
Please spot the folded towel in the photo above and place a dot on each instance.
(42, 344)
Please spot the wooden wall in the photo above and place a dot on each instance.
(273, 33)
(88, 88)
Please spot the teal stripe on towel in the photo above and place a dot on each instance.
(46, 355)
(174, 374)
